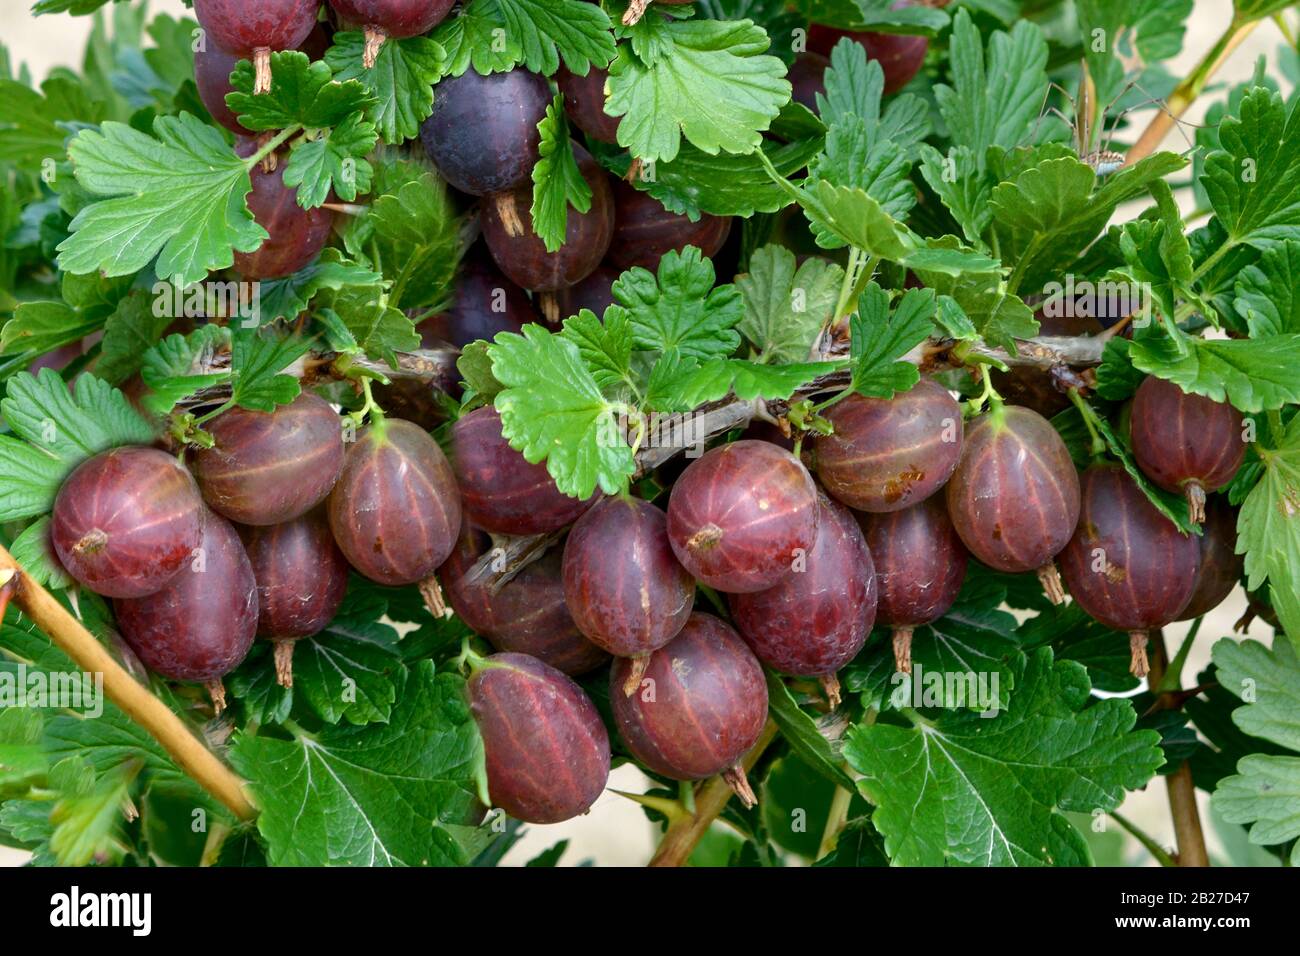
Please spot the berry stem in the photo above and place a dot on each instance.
(682, 835)
(375, 38)
(1154, 848)
(284, 663)
(123, 689)
(902, 640)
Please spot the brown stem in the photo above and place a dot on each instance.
(284, 663)
(1195, 494)
(123, 690)
(375, 38)
(635, 673)
(1051, 581)
(1185, 94)
(261, 70)
(739, 784)
(1182, 790)
(1139, 666)
(683, 834)
(434, 601)
(509, 213)
(903, 650)
(830, 684)
(217, 691)
(635, 11)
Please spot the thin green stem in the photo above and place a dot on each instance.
(1089, 415)
(846, 286)
(835, 820)
(1174, 675)
(1213, 259)
(1154, 848)
(271, 145)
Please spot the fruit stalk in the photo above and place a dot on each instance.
(683, 834)
(1182, 791)
(123, 689)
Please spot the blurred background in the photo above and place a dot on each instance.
(615, 832)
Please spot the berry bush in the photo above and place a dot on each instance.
(415, 410)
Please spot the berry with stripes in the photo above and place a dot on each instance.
(741, 515)
(525, 615)
(623, 585)
(508, 229)
(700, 706)
(888, 454)
(1188, 444)
(270, 467)
(644, 230)
(816, 619)
(295, 236)
(1014, 498)
(253, 30)
(1128, 565)
(920, 563)
(382, 19)
(546, 749)
(503, 492)
(126, 521)
(200, 626)
(395, 511)
(301, 577)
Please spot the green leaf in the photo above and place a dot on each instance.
(999, 316)
(178, 197)
(71, 425)
(605, 346)
(1265, 793)
(378, 795)
(401, 81)
(134, 327)
(369, 315)
(1045, 217)
(557, 181)
(333, 160)
(1266, 292)
(33, 551)
(694, 385)
(347, 671)
(417, 231)
(722, 184)
(878, 340)
(287, 298)
(475, 367)
(803, 733)
(257, 363)
(302, 93)
(181, 365)
(40, 327)
(996, 94)
(855, 86)
(711, 85)
(1268, 529)
(580, 32)
(476, 36)
(1252, 374)
(1268, 681)
(32, 129)
(969, 790)
(785, 307)
(959, 182)
(553, 410)
(1253, 182)
(681, 312)
(29, 479)
(969, 658)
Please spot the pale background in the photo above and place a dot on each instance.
(615, 832)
